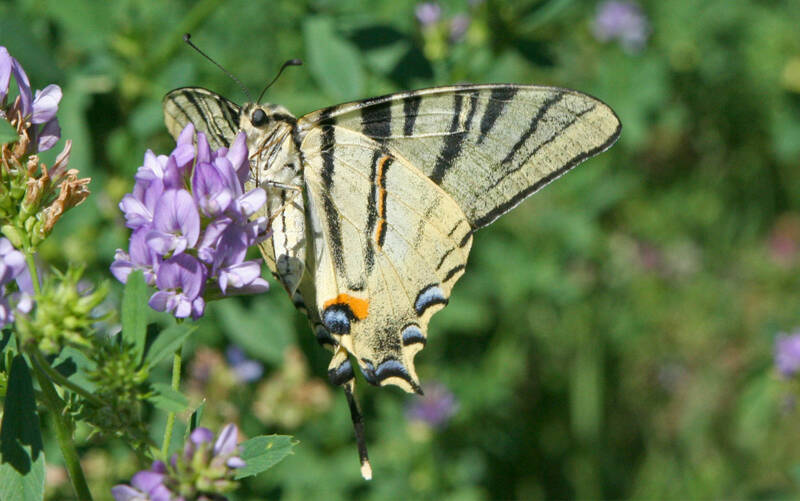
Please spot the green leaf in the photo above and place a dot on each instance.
(5, 337)
(21, 454)
(7, 133)
(168, 399)
(334, 61)
(167, 342)
(134, 312)
(194, 420)
(74, 364)
(263, 452)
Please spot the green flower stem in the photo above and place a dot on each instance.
(32, 270)
(58, 378)
(63, 435)
(176, 382)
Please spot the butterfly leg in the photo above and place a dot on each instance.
(340, 372)
(283, 186)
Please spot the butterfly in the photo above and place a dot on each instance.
(374, 203)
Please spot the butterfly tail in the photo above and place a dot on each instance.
(358, 428)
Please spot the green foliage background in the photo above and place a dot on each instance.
(613, 335)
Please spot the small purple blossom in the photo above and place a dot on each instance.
(787, 354)
(40, 110)
(145, 485)
(13, 268)
(204, 470)
(435, 407)
(428, 13)
(176, 223)
(459, 26)
(180, 280)
(245, 369)
(623, 21)
(192, 203)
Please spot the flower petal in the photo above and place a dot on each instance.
(5, 72)
(201, 435)
(226, 442)
(251, 201)
(158, 301)
(49, 135)
(127, 493)
(235, 462)
(45, 104)
(187, 135)
(237, 156)
(147, 480)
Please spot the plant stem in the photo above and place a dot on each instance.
(32, 270)
(176, 381)
(63, 435)
(58, 378)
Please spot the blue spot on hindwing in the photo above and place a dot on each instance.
(427, 297)
(336, 320)
(413, 334)
(388, 368)
(341, 374)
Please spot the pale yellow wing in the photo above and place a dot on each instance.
(390, 245)
(488, 146)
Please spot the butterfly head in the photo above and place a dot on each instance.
(264, 121)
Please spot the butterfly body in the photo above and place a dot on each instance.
(374, 203)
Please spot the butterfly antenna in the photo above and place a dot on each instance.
(358, 427)
(188, 39)
(290, 62)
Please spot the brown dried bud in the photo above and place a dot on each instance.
(73, 192)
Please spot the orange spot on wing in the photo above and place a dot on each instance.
(359, 307)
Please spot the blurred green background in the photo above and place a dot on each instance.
(613, 335)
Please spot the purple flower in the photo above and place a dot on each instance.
(142, 257)
(435, 407)
(192, 202)
(210, 190)
(224, 451)
(40, 109)
(145, 485)
(13, 267)
(428, 13)
(205, 470)
(180, 280)
(246, 370)
(9, 66)
(787, 354)
(45, 104)
(458, 26)
(176, 223)
(623, 21)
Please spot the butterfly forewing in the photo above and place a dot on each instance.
(487, 146)
(208, 111)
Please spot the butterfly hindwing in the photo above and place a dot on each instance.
(393, 244)
(488, 146)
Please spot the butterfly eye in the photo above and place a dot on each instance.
(258, 118)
